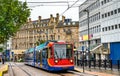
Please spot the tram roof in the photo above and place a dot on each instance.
(31, 50)
(41, 46)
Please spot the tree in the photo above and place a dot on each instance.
(40, 42)
(1, 49)
(13, 14)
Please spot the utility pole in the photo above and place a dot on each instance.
(87, 11)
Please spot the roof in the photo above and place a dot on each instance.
(31, 50)
(41, 46)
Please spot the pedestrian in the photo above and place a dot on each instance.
(3, 59)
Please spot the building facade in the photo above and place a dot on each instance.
(104, 25)
(45, 29)
(110, 22)
(93, 8)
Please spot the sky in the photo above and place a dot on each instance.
(45, 9)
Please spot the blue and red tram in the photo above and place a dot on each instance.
(51, 56)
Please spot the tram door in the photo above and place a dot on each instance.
(44, 57)
(40, 55)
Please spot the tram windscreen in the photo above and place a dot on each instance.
(62, 51)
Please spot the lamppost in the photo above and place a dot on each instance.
(87, 11)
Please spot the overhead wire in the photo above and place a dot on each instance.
(69, 7)
(52, 2)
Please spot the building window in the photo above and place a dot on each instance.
(58, 30)
(108, 27)
(58, 37)
(112, 27)
(108, 13)
(119, 25)
(111, 12)
(105, 14)
(102, 15)
(68, 23)
(118, 10)
(102, 2)
(115, 26)
(73, 23)
(64, 24)
(115, 11)
(64, 30)
(103, 29)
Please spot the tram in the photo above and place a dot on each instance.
(51, 56)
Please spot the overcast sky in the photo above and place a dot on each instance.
(45, 9)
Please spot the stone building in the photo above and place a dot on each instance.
(45, 29)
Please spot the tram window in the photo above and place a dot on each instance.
(37, 56)
(44, 53)
(48, 51)
(69, 53)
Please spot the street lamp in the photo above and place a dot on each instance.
(87, 11)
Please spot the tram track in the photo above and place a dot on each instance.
(74, 73)
(12, 73)
(71, 73)
(17, 69)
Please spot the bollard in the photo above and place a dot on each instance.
(85, 62)
(89, 63)
(99, 61)
(118, 64)
(105, 63)
(77, 62)
(77, 58)
(94, 63)
(110, 64)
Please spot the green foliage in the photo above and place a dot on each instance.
(40, 42)
(1, 49)
(13, 14)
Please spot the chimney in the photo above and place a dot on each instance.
(57, 18)
(30, 20)
(51, 16)
(39, 19)
(57, 15)
(63, 18)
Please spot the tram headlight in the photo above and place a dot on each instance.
(71, 60)
(56, 61)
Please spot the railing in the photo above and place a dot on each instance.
(106, 64)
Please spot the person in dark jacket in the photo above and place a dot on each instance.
(3, 59)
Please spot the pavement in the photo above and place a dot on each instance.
(3, 69)
(98, 72)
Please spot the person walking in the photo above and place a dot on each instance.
(3, 59)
